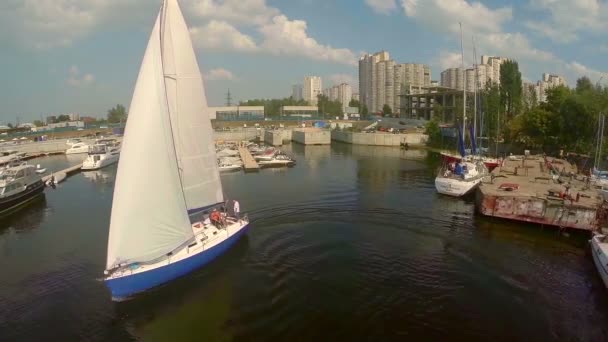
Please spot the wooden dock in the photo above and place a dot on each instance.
(69, 171)
(528, 190)
(249, 164)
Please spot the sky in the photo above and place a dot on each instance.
(83, 56)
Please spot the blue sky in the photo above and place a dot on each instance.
(62, 56)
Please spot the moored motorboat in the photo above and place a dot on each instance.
(277, 160)
(78, 148)
(101, 154)
(599, 250)
(18, 186)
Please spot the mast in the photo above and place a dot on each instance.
(464, 83)
(475, 93)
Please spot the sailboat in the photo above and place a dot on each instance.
(160, 228)
(465, 175)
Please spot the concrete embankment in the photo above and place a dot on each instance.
(380, 139)
(311, 136)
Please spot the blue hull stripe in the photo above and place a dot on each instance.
(127, 286)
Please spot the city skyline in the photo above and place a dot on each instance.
(84, 58)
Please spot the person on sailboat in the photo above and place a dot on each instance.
(215, 218)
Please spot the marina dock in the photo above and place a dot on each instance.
(249, 163)
(528, 190)
(69, 171)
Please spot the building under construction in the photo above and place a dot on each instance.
(427, 102)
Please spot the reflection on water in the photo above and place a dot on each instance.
(351, 243)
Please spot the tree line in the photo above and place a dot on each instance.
(566, 120)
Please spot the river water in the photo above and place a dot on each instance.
(352, 243)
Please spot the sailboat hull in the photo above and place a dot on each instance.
(126, 286)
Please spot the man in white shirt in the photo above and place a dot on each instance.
(237, 210)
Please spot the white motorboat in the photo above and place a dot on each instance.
(599, 249)
(226, 167)
(268, 155)
(40, 170)
(101, 155)
(167, 182)
(73, 141)
(77, 148)
(277, 160)
(56, 178)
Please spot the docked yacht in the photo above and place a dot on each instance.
(277, 160)
(599, 249)
(460, 181)
(73, 141)
(101, 154)
(10, 156)
(18, 186)
(77, 148)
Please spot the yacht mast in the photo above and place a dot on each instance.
(464, 88)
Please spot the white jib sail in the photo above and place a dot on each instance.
(189, 113)
(149, 215)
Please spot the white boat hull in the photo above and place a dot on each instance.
(600, 258)
(209, 243)
(230, 168)
(452, 186)
(91, 164)
(79, 150)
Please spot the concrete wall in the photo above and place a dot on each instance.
(311, 136)
(238, 135)
(50, 146)
(380, 139)
(274, 138)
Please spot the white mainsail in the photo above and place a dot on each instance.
(189, 115)
(149, 211)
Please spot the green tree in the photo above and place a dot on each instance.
(510, 88)
(534, 127)
(434, 133)
(584, 84)
(63, 118)
(117, 114)
(10, 125)
(386, 110)
(363, 111)
(38, 123)
(354, 103)
(328, 107)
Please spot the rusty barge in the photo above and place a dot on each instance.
(541, 190)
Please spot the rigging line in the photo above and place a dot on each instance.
(162, 62)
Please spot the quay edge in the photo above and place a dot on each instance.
(537, 198)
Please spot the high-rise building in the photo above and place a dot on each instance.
(342, 93)
(486, 72)
(74, 116)
(311, 89)
(381, 80)
(296, 92)
(549, 81)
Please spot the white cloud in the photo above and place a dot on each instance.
(219, 74)
(289, 37)
(219, 35)
(448, 59)
(43, 24)
(243, 12)
(382, 6)
(76, 79)
(446, 14)
(353, 80)
(565, 19)
(579, 70)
